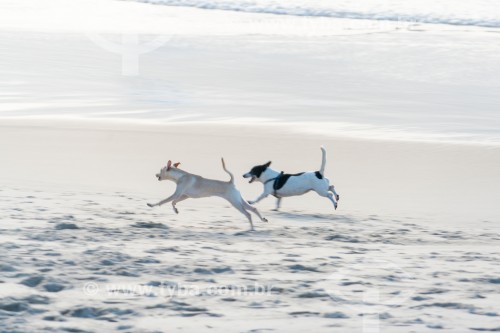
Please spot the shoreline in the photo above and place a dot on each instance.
(309, 129)
(440, 181)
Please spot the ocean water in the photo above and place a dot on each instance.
(481, 13)
(418, 83)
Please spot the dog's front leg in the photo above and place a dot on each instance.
(278, 204)
(262, 196)
(174, 196)
(175, 201)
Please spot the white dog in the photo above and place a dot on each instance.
(286, 185)
(194, 186)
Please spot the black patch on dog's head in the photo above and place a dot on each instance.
(259, 169)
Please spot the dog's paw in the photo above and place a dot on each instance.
(264, 219)
(150, 205)
(337, 197)
(176, 210)
(251, 202)
(335, 206)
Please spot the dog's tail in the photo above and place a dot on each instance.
(230, 174)
(323, 161)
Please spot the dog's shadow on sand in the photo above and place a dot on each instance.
(314, 217)
(253, 233)
(218, 233)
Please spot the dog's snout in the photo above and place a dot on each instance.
(249, 175)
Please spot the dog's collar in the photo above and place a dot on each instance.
(270, 180)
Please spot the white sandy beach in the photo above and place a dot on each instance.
(408, 115)
(404, 225)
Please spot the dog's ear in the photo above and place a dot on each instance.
(176, 164)
(169, 165)
(267, 164)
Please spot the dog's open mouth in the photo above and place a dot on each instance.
(249, 175)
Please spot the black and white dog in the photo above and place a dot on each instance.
(286, 185)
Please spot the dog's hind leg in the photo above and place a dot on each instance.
(329, 195)
(331, 188)
(239, 206)
(253, 209)
(247, 214)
